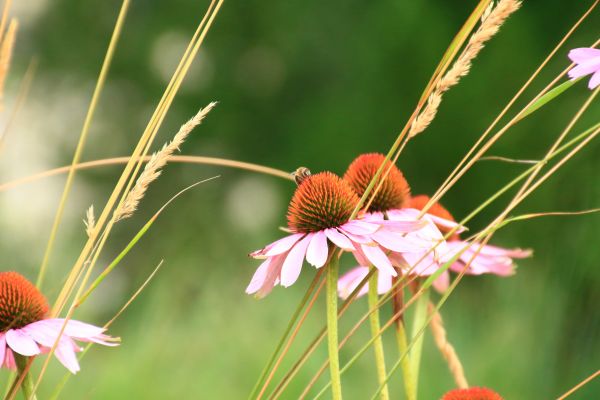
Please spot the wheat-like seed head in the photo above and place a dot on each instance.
(491, 21)
(89, 221)
(157, 161)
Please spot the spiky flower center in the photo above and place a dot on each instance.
(436, 209)
(20, 302)
(474, 393)
(394, 192)
(321, 201)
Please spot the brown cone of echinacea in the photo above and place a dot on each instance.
(394, 192)
(21, 303)
(321, 201)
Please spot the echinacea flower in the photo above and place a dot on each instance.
(319, 215)
(25, 330)
(419, 252)
(485, 259)
(588, 62)
(474, 393)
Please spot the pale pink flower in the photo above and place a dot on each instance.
(25, 330)
(490, 260)
(588, 62)
(319, 217)
(420, 252)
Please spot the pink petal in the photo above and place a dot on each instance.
(404, 226)
(317, 251)
(272, 275)
(259, 277)
(293, 262)
(360, 227)
(583, 54)
(2, 349)
(446, 223)
(362, 239)
(9, 360)
(595, 81)
(442, 282)
(585, 68)
(339, 239)
(22, 343)
(65, 353)
(278, 247)
(360, 257)
(422, 264)
(80, 331)
(394, 241)
(384, 283)
(378, 258)
(348, 282)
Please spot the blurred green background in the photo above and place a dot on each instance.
(298, 83)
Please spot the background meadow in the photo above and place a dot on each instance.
(298, 83)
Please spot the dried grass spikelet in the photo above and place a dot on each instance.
(447, 350)
(154, 166)
(6, 50)
(491, 21)
(89, 221)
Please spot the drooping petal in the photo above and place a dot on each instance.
(583, 54)
(422, 264)
(21, 342)
(442, 282)
(280, 246)
(377, 257)
(75, 329)
(9, 359)
(361, 259)
(595, 81)
(384, 283)
(339, 239)
(2, 349)
(362, 239)
(317, 251)
(585, 68)
(273, 273)
(348, 282)
(65, 353)
(395, 241)
(357, 227)
(403, 226)
(293, 262)
(259, 277)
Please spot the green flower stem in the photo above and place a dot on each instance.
(27, 383)
(332, 327)
(378, 343)
(405, 364)
(415, 353)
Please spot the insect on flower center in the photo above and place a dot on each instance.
(21, 303)
(321, 201)
(393, 193)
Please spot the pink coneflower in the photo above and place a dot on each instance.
(490, 259)
(24, 328)
(419, 252)
(319, 214)
(474, 393)
(394, 192)
(588, 62)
